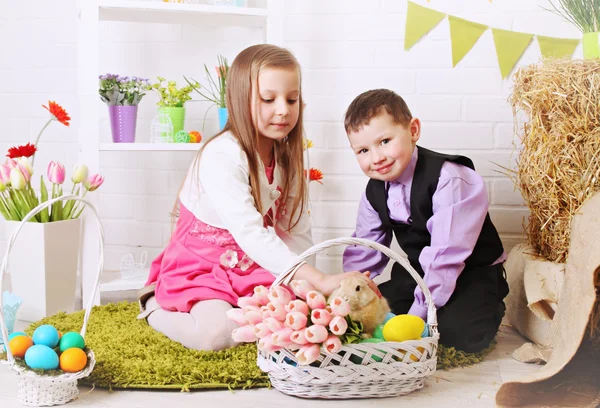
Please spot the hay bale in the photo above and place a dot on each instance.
(556, 105)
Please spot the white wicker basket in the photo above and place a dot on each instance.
(40, 390)
(354, 372)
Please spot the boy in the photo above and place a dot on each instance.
(436, 206)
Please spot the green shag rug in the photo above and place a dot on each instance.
(130, 354)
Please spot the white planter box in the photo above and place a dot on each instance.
(43, 267)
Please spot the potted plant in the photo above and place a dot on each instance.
(122, 95)
(172, 100)
(44, 268)
(585, 15)
(215, 91)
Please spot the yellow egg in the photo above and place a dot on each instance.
(403, 327)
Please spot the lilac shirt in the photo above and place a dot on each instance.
(460, 205)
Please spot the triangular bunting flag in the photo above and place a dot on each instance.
(552, 47)
(463, 34)
(510, 46)
(419, 21)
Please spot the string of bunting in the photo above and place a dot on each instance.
(510, 45)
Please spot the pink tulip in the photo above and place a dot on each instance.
(237, 315)
(282, 337)
(298, 337)
(316, 333)
(273, 324)
(308, 354)
(262, 330)
(297, 306)
(264, 312)
(320, 316)
(93, 182)
(262, 294)
(277, 310)
(266, 344)
(296, 320)
(338, 325)
(244, 334)
(280, 294)
(253, 316)
(11, 163)
(315, 300)
(25, 162)
(333, 344)
(339, 306)
(247, 301)
(56, 173)
(5, 173)
(301, 288)
(26, 174)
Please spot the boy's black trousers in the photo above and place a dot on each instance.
(470, 319)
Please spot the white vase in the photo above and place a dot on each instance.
(43, 267)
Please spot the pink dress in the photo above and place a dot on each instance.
(203, 262)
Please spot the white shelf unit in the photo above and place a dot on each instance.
(90, 14)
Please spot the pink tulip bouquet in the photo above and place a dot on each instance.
(18, 197)
(299, 320)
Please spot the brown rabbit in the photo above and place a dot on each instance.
(366, 305)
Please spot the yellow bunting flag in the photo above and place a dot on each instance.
(463, 35)
(552, 47)
(510, 46)
(419, 21)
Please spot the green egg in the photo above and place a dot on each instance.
(357, 360)
(378, 332)
(71, 340)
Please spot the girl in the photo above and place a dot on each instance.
(242, 208)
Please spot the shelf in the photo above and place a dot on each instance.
(181, 13)
(121, 284)
(156, 147)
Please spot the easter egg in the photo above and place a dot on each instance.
(425, 331)
(388, 316)
(15, 334)
(73, 360)
(45, 335)
(41, 357)
(71, 340)
(378, 332)
(19, 345)
(403, 327)
(358, 360)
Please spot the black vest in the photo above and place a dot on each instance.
(413, 237)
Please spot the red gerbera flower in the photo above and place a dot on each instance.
(58, 112)
(27, 150)
(315, 175)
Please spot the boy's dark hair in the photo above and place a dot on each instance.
(368, 104)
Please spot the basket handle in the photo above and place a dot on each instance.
(431, 310)
(11, 242)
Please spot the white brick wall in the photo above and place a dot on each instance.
(344, 47)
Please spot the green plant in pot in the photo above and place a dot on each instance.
(215, 91)
(172, 101)
(585, 15)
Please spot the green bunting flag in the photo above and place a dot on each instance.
(510, 45)
(463, 35)
(419, 21)
(552, 47)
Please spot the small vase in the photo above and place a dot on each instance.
(123, 120)
(177, 116)
(591, 45)
(223, 116)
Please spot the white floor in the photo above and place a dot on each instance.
(474, 386)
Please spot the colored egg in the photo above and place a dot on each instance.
(45, 335)
(378, 332)
(41, 357)
(15, 334)
(71, 340)
(403, 327)
(19, 345)
(358, 360)
(388, 316)
(73, 360)
(425, 331)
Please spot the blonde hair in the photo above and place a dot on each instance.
(242, 75)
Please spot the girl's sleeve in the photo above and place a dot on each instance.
(224, 177)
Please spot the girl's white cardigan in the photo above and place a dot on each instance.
(219, 194)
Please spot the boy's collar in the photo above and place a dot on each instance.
(407, 175)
